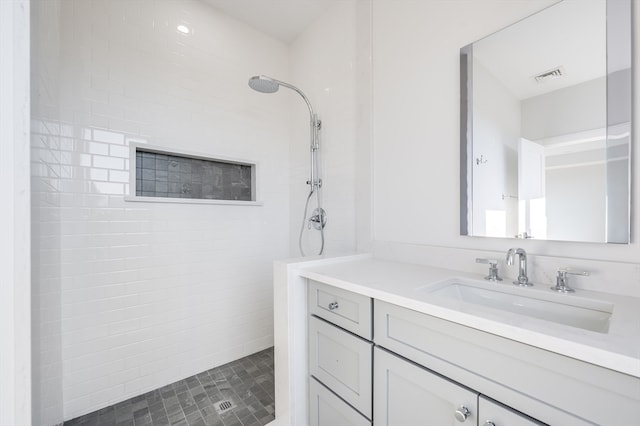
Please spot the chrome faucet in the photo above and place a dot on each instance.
(522, 280)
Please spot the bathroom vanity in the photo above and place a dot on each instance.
(385, 343)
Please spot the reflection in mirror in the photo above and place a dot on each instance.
(546, 124)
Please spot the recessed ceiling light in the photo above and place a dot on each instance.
(183, 29)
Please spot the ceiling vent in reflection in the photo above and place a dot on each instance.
(549, 75)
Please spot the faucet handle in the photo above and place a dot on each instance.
(493, 268)
(564, 271)
(561, 280)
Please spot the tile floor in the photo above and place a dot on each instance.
(240, 393)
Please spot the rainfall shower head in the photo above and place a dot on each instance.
(263, 84)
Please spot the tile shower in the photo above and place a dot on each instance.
(132, 295)
(129, 295)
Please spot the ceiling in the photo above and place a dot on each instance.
(571, 35)
(284, 20)
(567, 34)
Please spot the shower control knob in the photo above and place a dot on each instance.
(318, 219)
(462, 413)
(333, 306)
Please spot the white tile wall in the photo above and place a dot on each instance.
(136, 295)
(47, 138)
(324, 67)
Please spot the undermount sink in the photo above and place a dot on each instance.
(584, 313)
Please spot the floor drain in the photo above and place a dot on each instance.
(223, 406)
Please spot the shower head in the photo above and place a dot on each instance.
(263, 84)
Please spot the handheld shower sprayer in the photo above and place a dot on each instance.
(318, 219)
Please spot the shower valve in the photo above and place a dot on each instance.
(318, 219)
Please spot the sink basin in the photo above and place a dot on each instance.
(587, 314)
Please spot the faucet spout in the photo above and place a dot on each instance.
(522, 279)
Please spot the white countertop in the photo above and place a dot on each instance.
(407, 285)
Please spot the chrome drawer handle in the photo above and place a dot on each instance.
(462, 413)
(333, 305)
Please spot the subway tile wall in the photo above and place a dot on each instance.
(46, 170)
(132, 295)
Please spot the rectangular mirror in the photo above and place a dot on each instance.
(546, 126)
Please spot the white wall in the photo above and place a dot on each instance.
(576, 203)
(15, 292)
(323, 61)
(416, 140)
(149, 293)
(556, 113)
(576, 193)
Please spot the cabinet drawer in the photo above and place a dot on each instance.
(342, 362)
(326, 409)
(348, 310)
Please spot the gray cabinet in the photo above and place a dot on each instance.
(327, 409)
(406, 394)
(340, 356)
(553, 388)
(394, 366)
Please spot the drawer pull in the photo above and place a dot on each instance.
(333, 306)
(489, 423)
(462, 413)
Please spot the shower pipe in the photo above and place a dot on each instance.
(318, 219)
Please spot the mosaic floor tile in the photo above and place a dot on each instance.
(240, 393)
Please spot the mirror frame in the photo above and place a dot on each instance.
(619, 48)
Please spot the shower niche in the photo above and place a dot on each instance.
(173, 176)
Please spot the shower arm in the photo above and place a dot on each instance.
(299, 92)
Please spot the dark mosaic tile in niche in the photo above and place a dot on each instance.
(174, 176)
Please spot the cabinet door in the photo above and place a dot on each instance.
(326, 409)
(405, 394)
(491, 413)
(342, 362)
